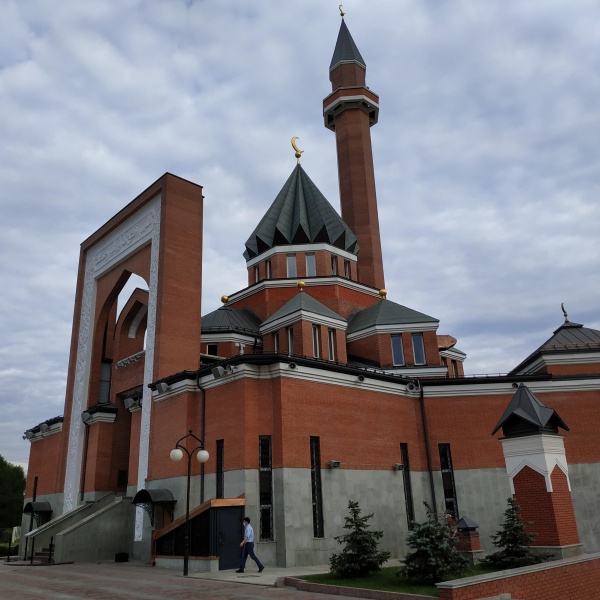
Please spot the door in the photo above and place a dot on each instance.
(229, 536)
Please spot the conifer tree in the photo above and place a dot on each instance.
(360, 555)
(435, 555)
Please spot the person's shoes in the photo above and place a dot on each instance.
(261, 569)
(240, 571)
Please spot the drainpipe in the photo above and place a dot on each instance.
(85, 453)
(202, 432)
(427, 450)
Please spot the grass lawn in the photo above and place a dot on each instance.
(386, 580)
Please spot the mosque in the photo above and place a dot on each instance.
(304, 390)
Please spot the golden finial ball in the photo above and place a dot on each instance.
(224, 299)
(383, 293)
(301, 285)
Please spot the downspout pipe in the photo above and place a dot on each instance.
(426, 439)
(202, 432)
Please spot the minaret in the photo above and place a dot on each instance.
(350, 110)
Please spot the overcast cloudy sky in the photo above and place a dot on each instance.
(486, 156)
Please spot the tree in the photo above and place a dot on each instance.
(12, 488)
(360, 555)
(514, 541)
(435, 555)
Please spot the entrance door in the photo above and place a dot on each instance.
(229, 536)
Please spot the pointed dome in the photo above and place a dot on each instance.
(345, 49)
(300, 215)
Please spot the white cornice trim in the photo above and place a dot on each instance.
(230, 336)
(539, 452)
(293, 248)
(309, 282)
(506, 387)
(56, 428)
(421, 371)
(303, 315)
(353, 98)
(574, 357)
(101, 417)
(454, 354)
(390, 329)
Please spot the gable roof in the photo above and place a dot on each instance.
(300, 214)
(385, 312)
(345, 49)
(526, 415)
(303, 302)
(569, 337)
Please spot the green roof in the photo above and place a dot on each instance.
(306, 303)
(300, 214)
(385, 312)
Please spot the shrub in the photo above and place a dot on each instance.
(514, 541)
(360, 555)
(435, 555)
(14, 549)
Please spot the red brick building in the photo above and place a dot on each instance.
(308, 388)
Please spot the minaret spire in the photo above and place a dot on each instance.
(350, 110)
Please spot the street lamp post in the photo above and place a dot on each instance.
(202, 456)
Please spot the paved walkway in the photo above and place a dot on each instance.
(137, 581)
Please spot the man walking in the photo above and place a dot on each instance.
(247, 546)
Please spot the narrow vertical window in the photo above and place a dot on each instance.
(317, 493)
(104, 387)
(276, 342)
(268, 265)
(331, 343)
(291, 265)
(265, 486)
(290, 338)
(256, 274)
(315, 340)
(220, 474)
(454, 368)
(333, 264)
(347, 269)
(449, 486)
(418, 348)
(408, 495)
(397, 351)
(311, 265)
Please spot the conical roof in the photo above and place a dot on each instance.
(345, 49)
(385, 312)
(526, 415)
(228, 319)
(300, 214)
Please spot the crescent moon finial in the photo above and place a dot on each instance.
(299, 152)
(562, 305)
(342, 11)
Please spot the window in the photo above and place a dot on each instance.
(331, 341)
(408, 497)
(276, 342)
(397, 351)
(268, 265)
(212, 349)
(317, 492)
(347, 269)
(418, 348)
(220, 475)
(104, 387)
(450, 501)
(311, 265)
(333, 264)
(454, 368)
(265, 486)
(315, 339)
(256, 274)
(290, 337)
(291, 265)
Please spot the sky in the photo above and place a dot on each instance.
(486, 156)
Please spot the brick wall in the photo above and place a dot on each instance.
(568, 579)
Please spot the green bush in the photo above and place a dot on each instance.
(435, 555)
(14, 549)
(359, 556)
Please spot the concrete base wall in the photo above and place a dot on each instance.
(195, 565)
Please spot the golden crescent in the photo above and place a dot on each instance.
(294, 146)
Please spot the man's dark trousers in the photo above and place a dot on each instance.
(248, 551)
